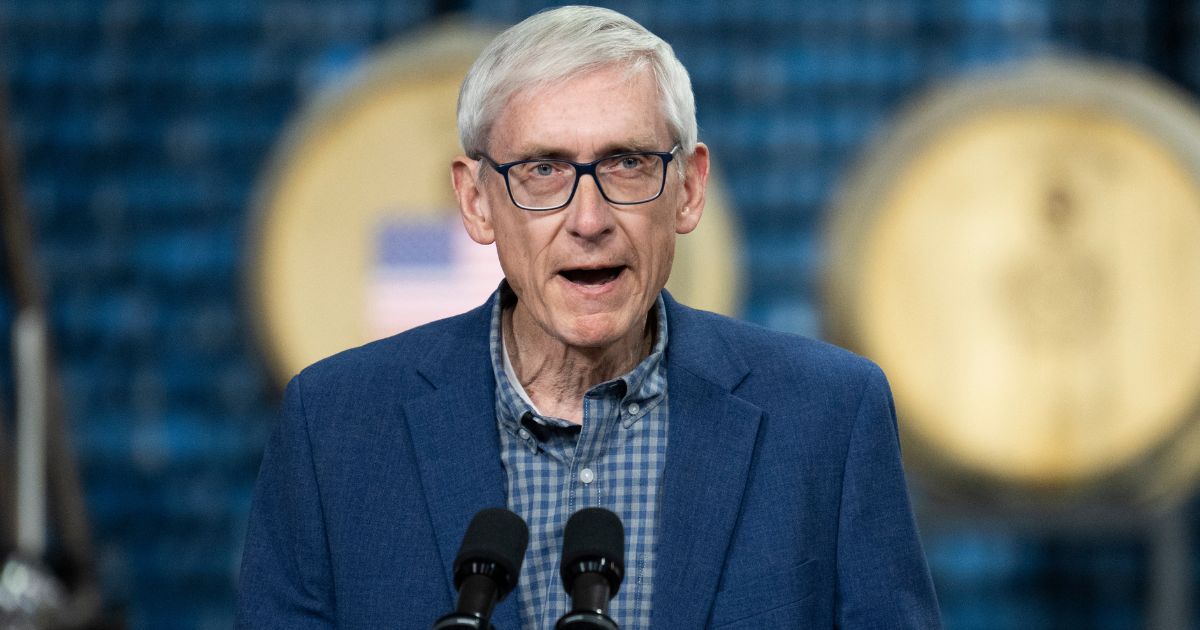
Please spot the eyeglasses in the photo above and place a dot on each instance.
(625, 179)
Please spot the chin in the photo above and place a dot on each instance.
(597, 331)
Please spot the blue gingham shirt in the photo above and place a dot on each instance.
(554, 469)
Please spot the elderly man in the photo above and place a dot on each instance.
(757, 474)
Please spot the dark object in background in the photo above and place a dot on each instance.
(47, 566)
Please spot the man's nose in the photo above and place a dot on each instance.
(589, 215)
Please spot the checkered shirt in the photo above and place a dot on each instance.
(555, 468)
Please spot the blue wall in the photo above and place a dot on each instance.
(144, 125)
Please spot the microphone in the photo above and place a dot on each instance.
(486, 568)
(593, 565)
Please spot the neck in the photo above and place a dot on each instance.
(556, 375)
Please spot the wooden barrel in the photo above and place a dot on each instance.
(1021, 254)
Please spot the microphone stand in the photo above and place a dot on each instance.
(47, 492)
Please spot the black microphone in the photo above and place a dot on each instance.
(593, 565)
(486, 568)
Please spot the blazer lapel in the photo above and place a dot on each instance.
(455, 434)
(710, 448)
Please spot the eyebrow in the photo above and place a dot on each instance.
(536, 152)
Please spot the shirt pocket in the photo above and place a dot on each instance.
(771, 600)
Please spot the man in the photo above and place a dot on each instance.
(757, 474)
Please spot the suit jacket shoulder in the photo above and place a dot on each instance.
(399, 360)
(812, 369)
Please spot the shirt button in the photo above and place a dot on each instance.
(524, 434)
(633, 408)
(587, 476)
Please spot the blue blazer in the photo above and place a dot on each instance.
(783, 503)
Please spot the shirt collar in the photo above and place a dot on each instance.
(643, 386)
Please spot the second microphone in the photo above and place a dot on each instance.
(593, 565)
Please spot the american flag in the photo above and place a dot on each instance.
(425, 269)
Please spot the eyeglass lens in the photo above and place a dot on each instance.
(631, 178)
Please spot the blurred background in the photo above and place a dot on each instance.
(144, 132)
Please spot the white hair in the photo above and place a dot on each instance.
(562, 43)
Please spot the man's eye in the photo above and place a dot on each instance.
(544, 169)
(632, 161)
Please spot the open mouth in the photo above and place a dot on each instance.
(592, 277)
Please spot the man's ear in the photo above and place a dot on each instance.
(472, 202)
(695, 183)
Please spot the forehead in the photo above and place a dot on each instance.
(603, 109)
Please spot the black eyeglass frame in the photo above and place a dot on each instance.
(588, 168)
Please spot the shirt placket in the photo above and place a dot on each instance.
(579, 484)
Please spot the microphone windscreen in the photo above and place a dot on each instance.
(593, 533)
(495, 535)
